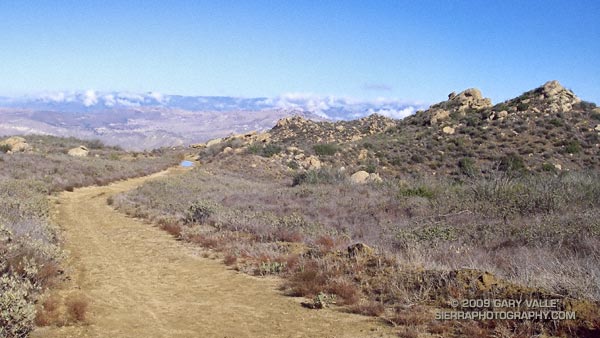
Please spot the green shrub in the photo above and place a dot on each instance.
(325, 149)
(255, 149)
(421, 191)
(548, 167)
(371, 168)
(319, 176)
(200, 211)
(573, 147)
(522, 106)
(467, 166)
(5, 148)
(17, 311)
(265, 151)
(512, 163)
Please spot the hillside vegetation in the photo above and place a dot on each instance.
(398, 218)
(30, 255)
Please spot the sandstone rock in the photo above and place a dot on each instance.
(438, 115)
(597, 128)
(362, 155)
(558, 166)
(227, 150)
(310, 163)
(81, 151)
(294, 150)
(214, 142)
(557, 98)
(448, 130)
(198, 145)
(470, 99)
(340, 128)
(362, 177)
(374, 177)
(359, 177)
(17, 144)
(503, 114)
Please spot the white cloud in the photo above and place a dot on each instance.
(90, 98)
(344, 107)
(109, 100)
(394, 113)
(160, 98)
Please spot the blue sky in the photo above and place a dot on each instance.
(409, 50)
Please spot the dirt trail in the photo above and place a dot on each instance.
(142, 283)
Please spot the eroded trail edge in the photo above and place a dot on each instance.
(143, 283)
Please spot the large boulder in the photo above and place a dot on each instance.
(461, 103)
(557, 98)
(310, 163)
(363, 177)
(16, 144)
(81, 151)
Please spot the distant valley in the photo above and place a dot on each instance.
(152, 120)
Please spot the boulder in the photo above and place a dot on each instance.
(17, 144)
(310, 163)
(81, 151)
(362, 155)
(557, 98)
(214, 142)
(448, 130)
(374, 177)
(359, 177)
(597, 128)
(438, 115)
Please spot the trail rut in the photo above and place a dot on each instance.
(143, 283)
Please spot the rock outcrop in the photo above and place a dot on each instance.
(81, 151)
(363, 177)
(237, 140)
(296, 129)
(16, 144)
(462, 103)
(550, 98)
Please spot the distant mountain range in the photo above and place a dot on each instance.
(150, 120)
(337, 108)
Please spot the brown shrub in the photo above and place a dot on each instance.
(47, 312)
(326, 243)
(292, 261)
(411, 317)
(173, 229)
(408, 332)
(77, 306)
(205, 241)
(48, 272)
(307, 282)
(348, 291)
(286, 235)
(370, 308)
(230, 259)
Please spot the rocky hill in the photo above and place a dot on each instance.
(546, 129)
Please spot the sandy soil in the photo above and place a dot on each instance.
(143, 283)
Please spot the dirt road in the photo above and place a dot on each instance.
(143, 283)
